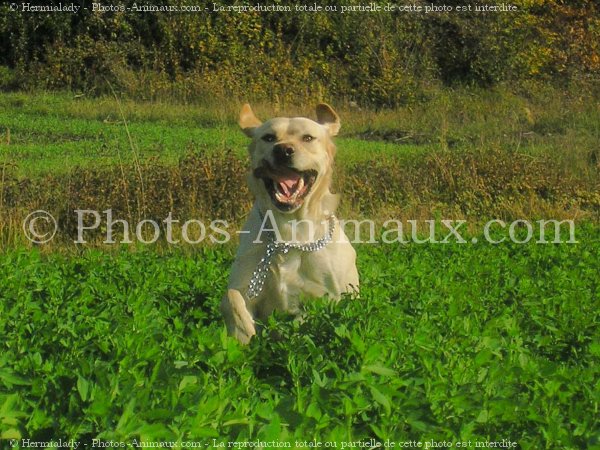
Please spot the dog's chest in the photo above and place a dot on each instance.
(295, 274)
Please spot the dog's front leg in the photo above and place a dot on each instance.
(238, 319)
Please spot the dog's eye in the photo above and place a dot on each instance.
(269, 138)
(307, 138)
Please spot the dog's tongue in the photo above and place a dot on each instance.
(287, 180)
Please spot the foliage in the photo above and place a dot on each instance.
(381, 59)
(454, 342)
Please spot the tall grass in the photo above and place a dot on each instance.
(474, 154)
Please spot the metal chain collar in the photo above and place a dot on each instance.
(274, 247)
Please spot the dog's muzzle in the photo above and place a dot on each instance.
(287, 187)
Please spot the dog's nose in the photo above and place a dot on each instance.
(283, 152)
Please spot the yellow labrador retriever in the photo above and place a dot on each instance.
(291, 246)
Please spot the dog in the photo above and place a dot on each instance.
(292, 246)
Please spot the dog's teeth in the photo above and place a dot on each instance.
(281, 197)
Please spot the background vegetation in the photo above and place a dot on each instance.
(376, 59)
(465, 154)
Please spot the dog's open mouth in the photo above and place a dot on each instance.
(287, 187)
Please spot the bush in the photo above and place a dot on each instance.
(379, 59)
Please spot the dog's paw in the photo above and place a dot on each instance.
(238, 319)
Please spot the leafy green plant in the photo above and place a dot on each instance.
(447, 342)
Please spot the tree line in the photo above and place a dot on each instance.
(382, 58)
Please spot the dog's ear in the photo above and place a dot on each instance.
(327, 116)
(248, 121)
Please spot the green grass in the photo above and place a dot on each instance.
(55, 132)
(56, 139)
(447, 342)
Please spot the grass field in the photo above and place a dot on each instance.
(469, 154)
(448, 343)
(56, 132)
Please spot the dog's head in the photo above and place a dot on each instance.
(291, 157)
